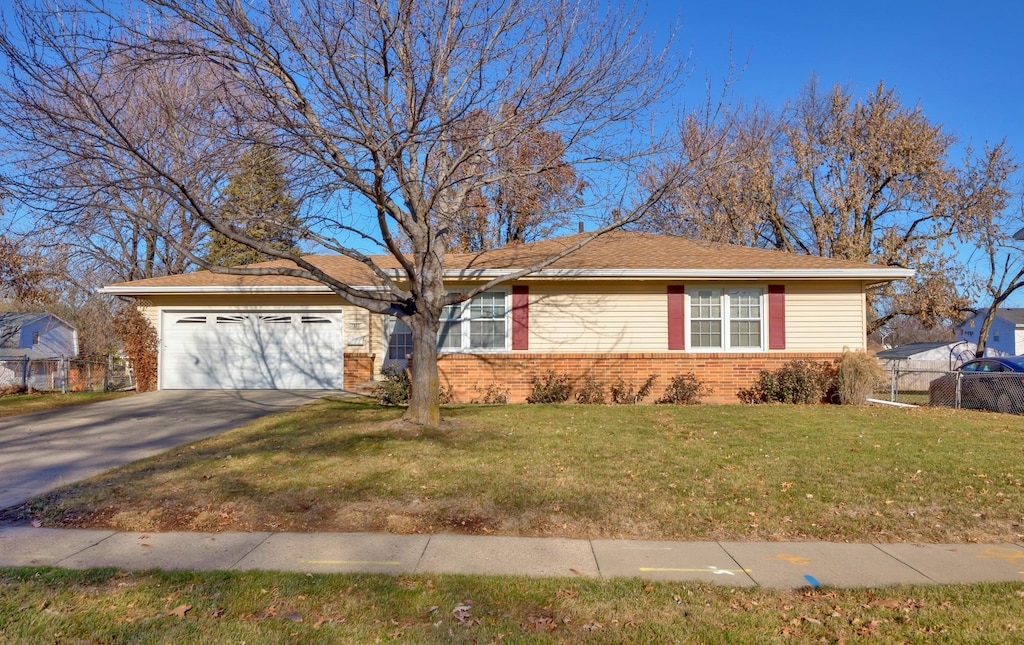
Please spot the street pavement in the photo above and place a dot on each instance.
(768, 564)
(44, 450)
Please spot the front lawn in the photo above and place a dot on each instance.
(646, 472)
(39, 401)
(105, 606)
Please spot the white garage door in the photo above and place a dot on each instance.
(251, 350)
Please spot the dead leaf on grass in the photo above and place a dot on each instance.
(542, 623)
(180, 611)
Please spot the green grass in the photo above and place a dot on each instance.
(39, 401)
(646, 472)
(106, 606)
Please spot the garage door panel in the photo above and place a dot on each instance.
(252, 350)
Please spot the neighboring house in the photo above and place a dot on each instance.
(1005, 335)
(943, 355)
(36, 336)
(30, 343)
(626, 305)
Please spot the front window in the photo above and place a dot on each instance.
(399, 340)
(706, 318)
(449, 336)
(486, 321)
(726, 318)
(479, 324)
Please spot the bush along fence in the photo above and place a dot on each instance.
(101, 373)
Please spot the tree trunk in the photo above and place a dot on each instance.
(424, 402)
(986, 324)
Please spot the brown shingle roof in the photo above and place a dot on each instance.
(633, 250)
(621, 253)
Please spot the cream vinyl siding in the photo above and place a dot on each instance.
(633, 317)
(598, 317)
(152, 315)
(825, 316)
(357, 320)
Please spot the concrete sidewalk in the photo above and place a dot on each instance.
(769, 564)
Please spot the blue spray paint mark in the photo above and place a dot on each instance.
(811, 580)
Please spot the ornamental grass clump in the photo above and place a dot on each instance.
(858, 375)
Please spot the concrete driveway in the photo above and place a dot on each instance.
(41, 451)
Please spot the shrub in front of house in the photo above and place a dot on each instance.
(591, 392)
(553, 388)
(493, 395)
(139, 340)
(623, 393)
(795, 382)
(858, 375)
(394, 386)
(685, 389)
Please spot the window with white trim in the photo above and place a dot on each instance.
(487, 321)
(726, 318)
(479, 324)
(399, 340)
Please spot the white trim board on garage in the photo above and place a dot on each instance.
(251, 349)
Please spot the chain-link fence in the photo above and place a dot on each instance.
(995, 391)
(66, 374)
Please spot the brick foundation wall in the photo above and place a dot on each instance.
(469, 375)
(358, 370)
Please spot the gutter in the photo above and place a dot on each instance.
(881, 275)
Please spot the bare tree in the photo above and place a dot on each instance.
(999, 265)
(867, 180)
(370, 98)
(537, 193)
(92, 194)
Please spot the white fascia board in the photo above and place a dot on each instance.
(886, 273)
(880, 274)
(144, 291)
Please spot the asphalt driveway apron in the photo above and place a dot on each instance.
(41, 451)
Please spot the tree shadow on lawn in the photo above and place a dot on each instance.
(343, 429)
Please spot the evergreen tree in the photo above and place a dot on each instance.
(258, 206)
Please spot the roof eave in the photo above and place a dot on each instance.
(115, 290)
(880, 274)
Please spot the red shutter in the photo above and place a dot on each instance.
(676, 317)
(776, 316)
(520, 317)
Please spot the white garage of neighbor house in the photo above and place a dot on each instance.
(936, 355)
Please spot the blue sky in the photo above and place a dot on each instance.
(960, 61)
